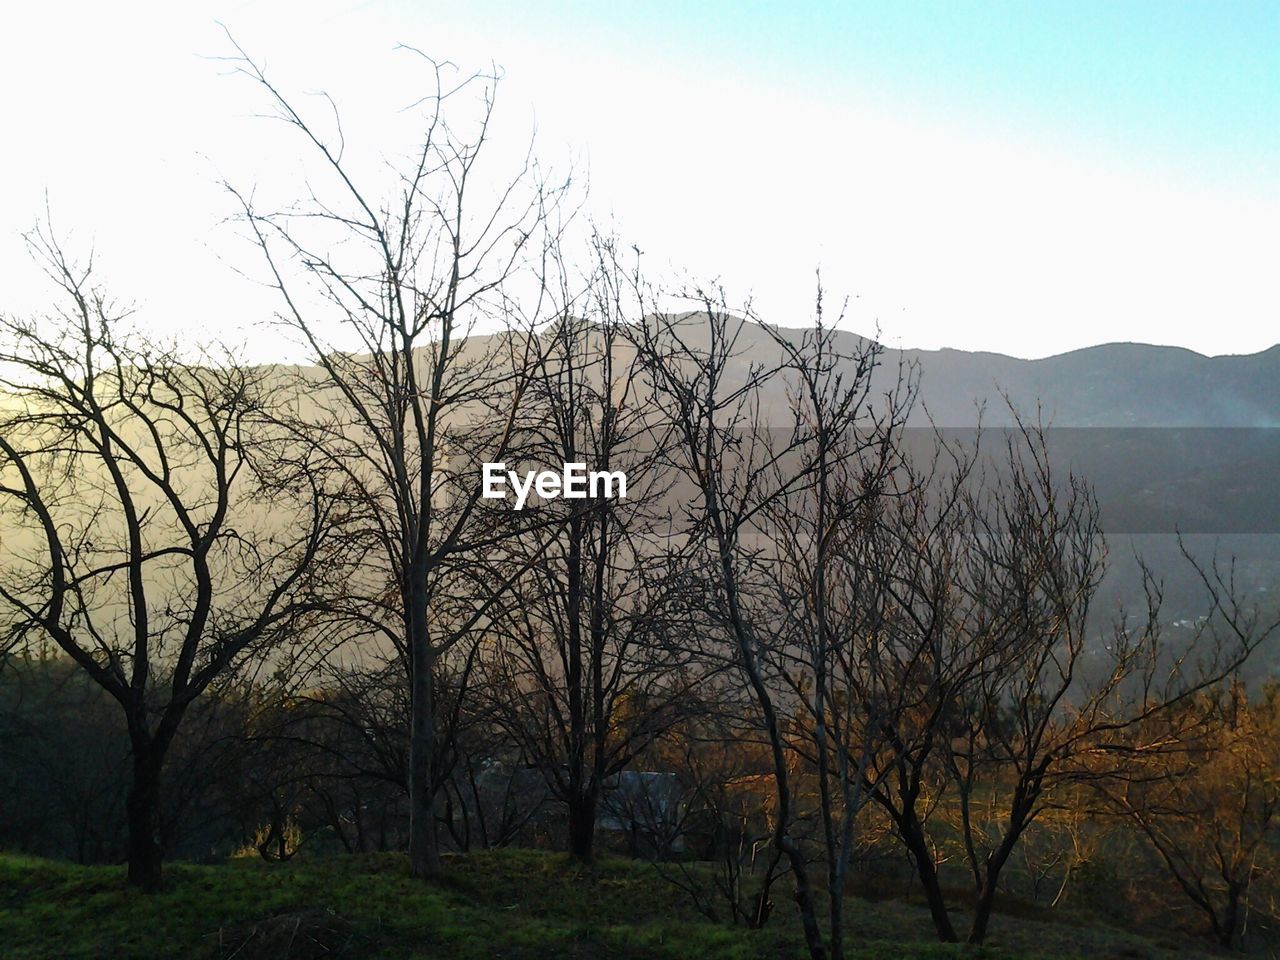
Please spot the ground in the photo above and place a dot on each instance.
(517, 905)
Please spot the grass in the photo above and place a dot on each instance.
(514, 904)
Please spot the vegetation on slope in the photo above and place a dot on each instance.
(518, 905)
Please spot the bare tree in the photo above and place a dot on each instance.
(1207, 809)
(135, 486)
(773, 503)
(845, 441)
(591, 657)
(1057, 702)
(922, 649)
(725, 815)
(405, 280)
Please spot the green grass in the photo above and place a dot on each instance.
(518, 905)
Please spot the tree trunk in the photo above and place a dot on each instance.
(987, 892)
(804, 903)
(582, 827)
(836, 914)
(143, 810)
(982, 910)
(1226, 929)
(918, 847)
(995, 863)
(582, 812)
(424, 851)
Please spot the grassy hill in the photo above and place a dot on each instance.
(518, 905)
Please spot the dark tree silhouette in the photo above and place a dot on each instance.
(135, 480)
(403, 281)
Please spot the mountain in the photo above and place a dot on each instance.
(1181, 449)
(1171, 439)
(1111, 385)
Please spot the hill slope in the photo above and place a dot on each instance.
(518, 905)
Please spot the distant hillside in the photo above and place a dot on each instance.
(1112, 385)
(1172, 441)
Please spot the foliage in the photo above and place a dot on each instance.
(508, 904)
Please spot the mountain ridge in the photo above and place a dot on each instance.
(1117, 384)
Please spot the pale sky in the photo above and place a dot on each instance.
(1024, 178)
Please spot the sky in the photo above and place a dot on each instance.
(1026, 178)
